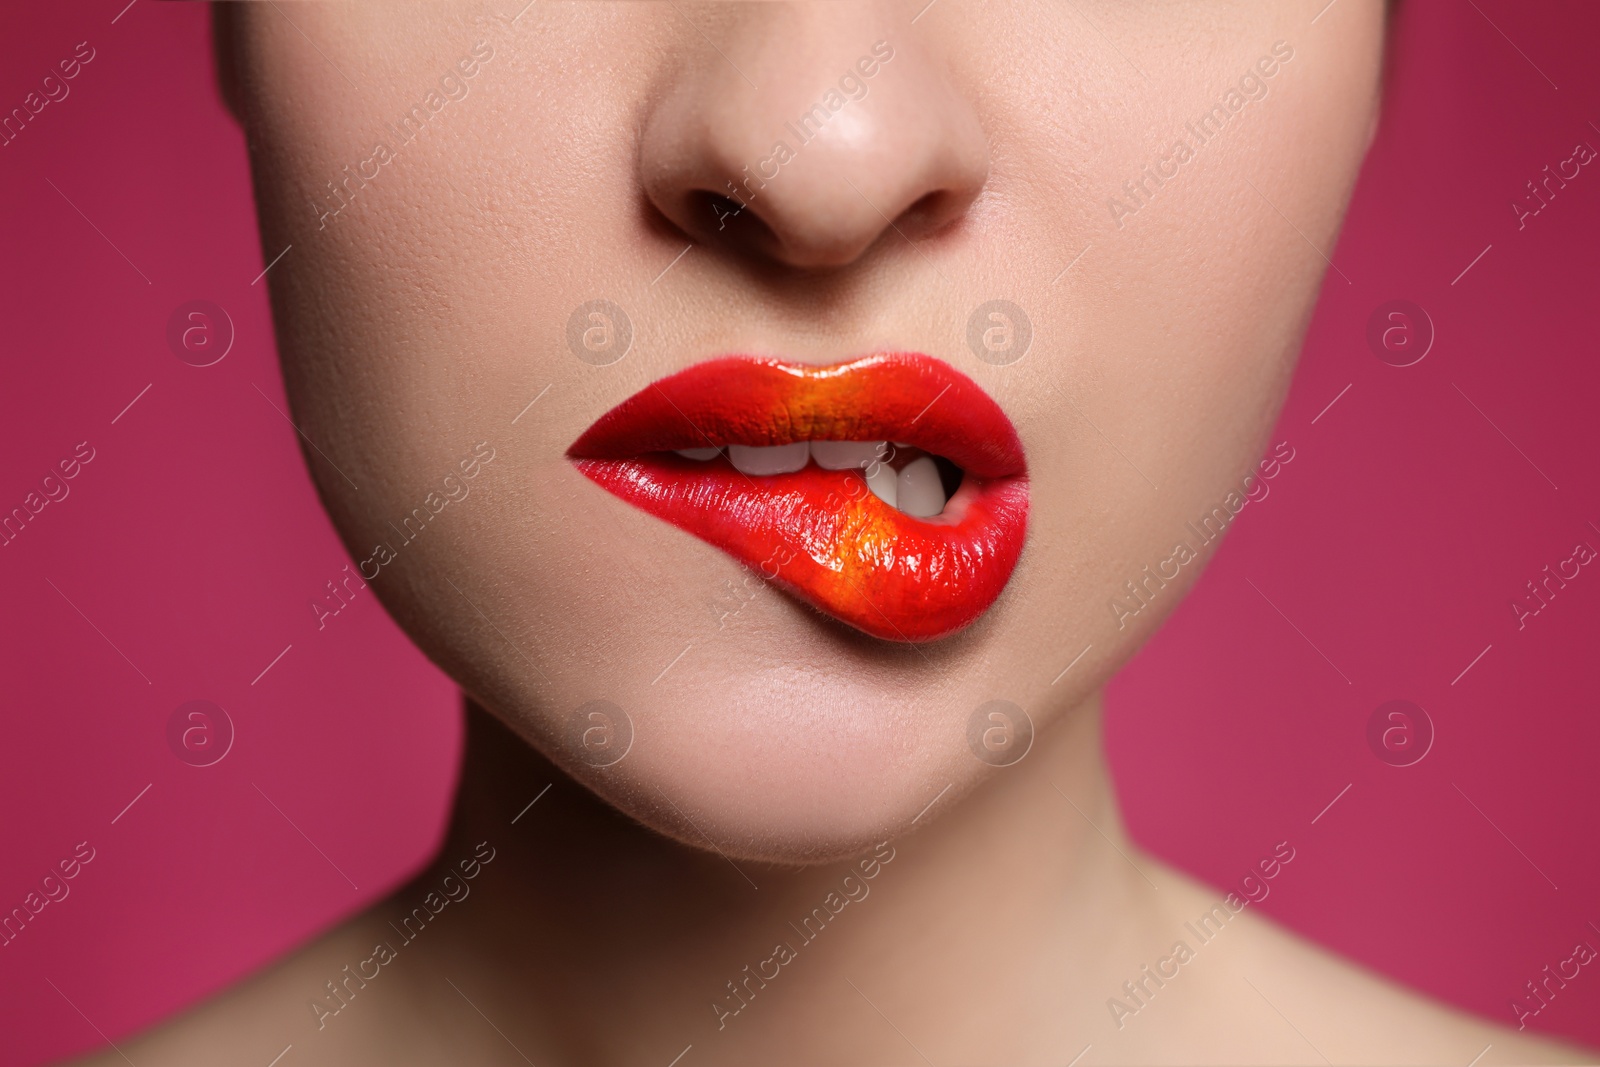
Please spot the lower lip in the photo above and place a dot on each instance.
(825, 538)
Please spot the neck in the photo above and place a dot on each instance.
(943, 931)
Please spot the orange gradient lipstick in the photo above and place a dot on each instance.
(889, 492)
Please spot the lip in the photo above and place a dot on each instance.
(820, 534)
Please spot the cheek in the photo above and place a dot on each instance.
(1173, 339)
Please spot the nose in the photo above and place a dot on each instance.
(804, 134)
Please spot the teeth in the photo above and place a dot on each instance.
(778, 459)
(918, 491)
(884, 484)
(847, 455)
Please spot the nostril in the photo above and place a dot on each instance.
(927, 206)
(719, 210)
(722, 218)
(933, 212)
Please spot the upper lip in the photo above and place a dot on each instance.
(763, 401)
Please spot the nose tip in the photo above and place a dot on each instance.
(850, 135)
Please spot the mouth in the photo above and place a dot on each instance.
(889, 492)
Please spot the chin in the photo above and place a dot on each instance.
(788, 763)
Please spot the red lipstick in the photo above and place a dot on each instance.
(822, 534)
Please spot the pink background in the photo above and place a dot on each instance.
(1417, 506)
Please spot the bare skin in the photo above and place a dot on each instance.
(423, 306)
(996, 934)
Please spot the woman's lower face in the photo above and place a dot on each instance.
(774, 411)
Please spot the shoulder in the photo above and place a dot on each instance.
(288, 1005)
(1325, 1005)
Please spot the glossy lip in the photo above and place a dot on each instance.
(821, 534)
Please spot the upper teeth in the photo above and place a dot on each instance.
(778, 459)
(915, 490)
(847, 455)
